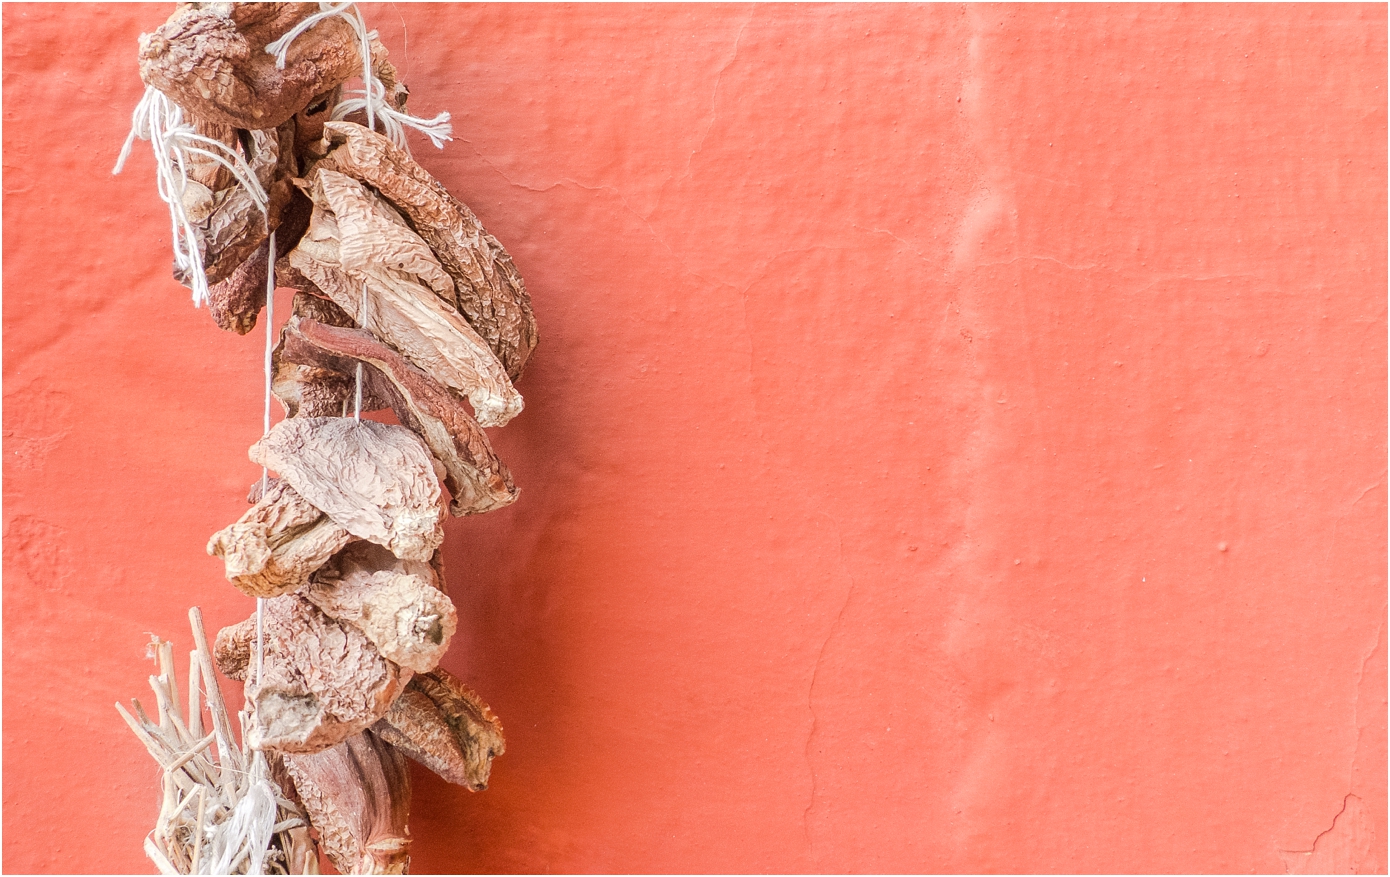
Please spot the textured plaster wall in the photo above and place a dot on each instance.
(957, 440)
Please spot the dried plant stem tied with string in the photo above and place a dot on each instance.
(219, 813)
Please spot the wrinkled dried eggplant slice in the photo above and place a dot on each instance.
(396, 603)
(313, 390)
(444, 725)
(236, 301)
(321, 680)
(356, 240)
(489, 291)
(274, 547)
(228, 226)
(357, 794)
(478, 480)
(210, 59)
(375, 480)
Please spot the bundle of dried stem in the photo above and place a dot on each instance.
(206, 777)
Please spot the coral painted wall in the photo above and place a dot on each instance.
(957, 441)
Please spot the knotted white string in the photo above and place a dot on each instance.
(248, 830)
(372, 96)
(173, 141)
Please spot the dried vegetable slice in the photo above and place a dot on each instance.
(357, 794)
(355, 239)
(477, 478)
(210, 59)
(397, 604)
(489, 291)
(321, 680)
(376, 480)
(279, 542)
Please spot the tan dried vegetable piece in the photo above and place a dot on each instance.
(396, 604)
(357, 794)
(322, 680)
(232, 649)
(376, 480)
(444, 725)
(208, 172)
(235, 302)
(337, 254)
(308, 390)
(490, 292)
(210, 59)
(231, 226)
(477, 478)
(274, 547)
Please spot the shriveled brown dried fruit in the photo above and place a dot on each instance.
(477, 478)
(274, 547)
(228, 226)
(201, 168)
(444, 725)
(232, 649)
(210, 59)
(235, 302)
(322, 681)
(357, 795)
(490, 293)
(396, 603)
(311, 390)
(376, 480)
(356, 239)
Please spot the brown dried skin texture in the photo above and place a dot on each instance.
(376, 480)
(354, 238)
(316, 389)
(235, 302)
(444, 725)
(322, 680)
(274, 547)
(209, 173)
(357, 794)
(395, 603)
(210, 59)
(309, 122)
(490, 293)
(227, 224)
(478, 480)
(232, 649)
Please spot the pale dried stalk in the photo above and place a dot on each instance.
(206, 777)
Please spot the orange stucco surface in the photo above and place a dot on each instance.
(957, 440)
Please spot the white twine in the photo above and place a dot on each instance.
(248, 830)
(173, 141)
(438, 129)
(362, 323)
(265, 470)
(372, 96)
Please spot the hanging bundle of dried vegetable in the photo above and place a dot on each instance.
(276, 174)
